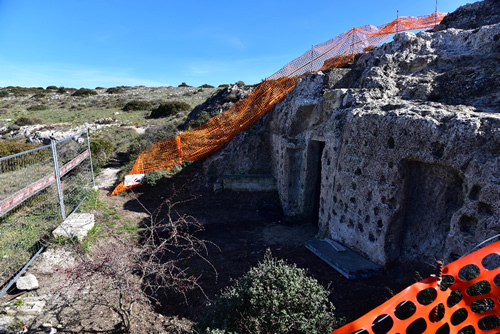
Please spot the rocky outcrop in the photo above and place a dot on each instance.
(220, 101)
(398, 157)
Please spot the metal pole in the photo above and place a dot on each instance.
(58, 179)
(21, 272)
(312, 56)
(397, 23)
(90, 157)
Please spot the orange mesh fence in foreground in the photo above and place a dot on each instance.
(198, 143)
(465, 301)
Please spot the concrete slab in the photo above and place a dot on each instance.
(249, 182)
(350, 264)
(76, 225)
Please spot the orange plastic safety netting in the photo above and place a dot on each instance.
(198, 143)
(466, 301)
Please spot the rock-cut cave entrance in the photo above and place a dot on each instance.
(312, 189)
(433, 193)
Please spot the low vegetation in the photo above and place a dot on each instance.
(12, 146)
(135, 105)
(273, 297)
(169, 108)
(84, 92)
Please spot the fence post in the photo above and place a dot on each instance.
(58, 178)
(90, 157)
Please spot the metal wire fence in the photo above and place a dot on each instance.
(39, 188)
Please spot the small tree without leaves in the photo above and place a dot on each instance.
(120, 274)
(273, 297)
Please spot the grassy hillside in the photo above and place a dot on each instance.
(67, 105)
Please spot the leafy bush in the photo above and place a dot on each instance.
(21, 121)
(153, 178)
(137, 105)
(115, 90)
(9, 147)
(4, 93)
(151, 136)
(101, 150)
(206, 86)
(38, 107)
(184, 85)
(61, 90)
(201, 119)
(51, 88)
(84, 92)
(273, 297)
(169, 108)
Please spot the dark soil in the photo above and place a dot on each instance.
(243, 225)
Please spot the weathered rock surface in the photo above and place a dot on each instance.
(221, 101)
(398, 157)
(27, 282)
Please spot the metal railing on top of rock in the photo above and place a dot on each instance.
(200, 142)
(464, 299)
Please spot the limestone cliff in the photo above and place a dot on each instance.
(397, 157)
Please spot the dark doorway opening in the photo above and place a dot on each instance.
(432, 194)
(313, 181)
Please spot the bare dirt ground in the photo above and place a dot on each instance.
(243, 226)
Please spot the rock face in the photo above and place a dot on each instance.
(397, 157)
(221, 101)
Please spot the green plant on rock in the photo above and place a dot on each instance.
(273, 297)
(169, 108)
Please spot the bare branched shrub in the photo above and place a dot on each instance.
(119, 273)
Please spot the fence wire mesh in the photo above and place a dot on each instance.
(30, 206)
(198, 143)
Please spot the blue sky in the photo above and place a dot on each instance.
(107, 43)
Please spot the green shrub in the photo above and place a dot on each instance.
(9, 147)
(84, 92)
(115, 90)
(4, 93)
(206, 86)
(201, 119)
(184, 85)
(51, 88)
(169, 108)
(137, 105)
(61, 90)
(153, 178)
(21, 121)
(102, 150)
(38, 107)
(223, 85)
(273, 297)
(151, 136)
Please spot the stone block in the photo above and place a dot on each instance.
(27, 282)
(76, 225)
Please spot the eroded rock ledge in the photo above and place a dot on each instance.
(397, 157)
